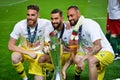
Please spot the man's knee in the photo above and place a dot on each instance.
(92, 61)
(36, 77)
(44, 58)
(16, 57)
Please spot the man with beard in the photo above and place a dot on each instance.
(64, 32)
(31, 32)
(92, 42)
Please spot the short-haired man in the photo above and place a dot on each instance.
(92, 41)
(31, 32)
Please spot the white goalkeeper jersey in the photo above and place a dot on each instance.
(91, 32)
(43, 30)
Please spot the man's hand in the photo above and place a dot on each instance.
(46, 49)
(33, 55)
(80, 65)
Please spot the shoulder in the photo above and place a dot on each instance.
(44, 22)
(90, 22)
(21, 23)
(41, 20)
(90, 25)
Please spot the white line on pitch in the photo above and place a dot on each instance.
(14, 3)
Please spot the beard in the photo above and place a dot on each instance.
(73, 22)
(56, 25)
(31, 22)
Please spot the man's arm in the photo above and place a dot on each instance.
(66, 65)
(12, 47)
(97, 47)
(69, 61)
(91, 51)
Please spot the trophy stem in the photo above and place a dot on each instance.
(57, 76)
(55, 53)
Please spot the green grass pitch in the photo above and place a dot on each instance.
(12, 11)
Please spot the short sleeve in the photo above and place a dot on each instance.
(16, 32)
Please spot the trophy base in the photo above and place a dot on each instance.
(57, 76)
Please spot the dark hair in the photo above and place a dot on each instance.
(34, 7)
(56, 11)
(75, 7)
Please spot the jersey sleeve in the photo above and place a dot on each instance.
(16, 32)
(94, 31)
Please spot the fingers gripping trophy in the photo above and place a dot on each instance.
(55, 54)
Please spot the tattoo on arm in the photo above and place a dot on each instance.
(97, 47)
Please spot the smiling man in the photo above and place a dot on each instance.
(31, 32)
(96, 48)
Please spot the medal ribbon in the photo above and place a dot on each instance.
(32, 37)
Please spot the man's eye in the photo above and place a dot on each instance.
(33, 15)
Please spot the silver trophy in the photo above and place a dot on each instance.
(55, 54)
